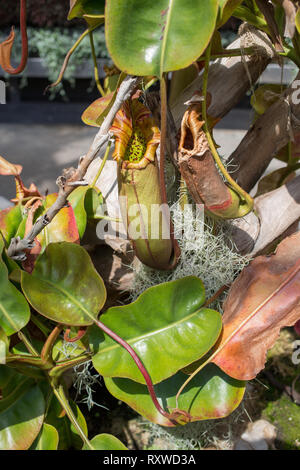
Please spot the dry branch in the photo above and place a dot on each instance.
(72, 177)
(272, 131)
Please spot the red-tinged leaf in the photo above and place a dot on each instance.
(62, 228)
(7, 168)
(94, 115)
(22, 192)
(91, 115)
(32, 254)
(263, 299)
(10, 220)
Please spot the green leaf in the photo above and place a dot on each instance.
(14, 310)
(64, 285)
(227, 8)
(47, 439)
(63, 350)
(210, 395)
(62, 228)
(21, 411)
(84, 201)
(105, 442)
(96, 112)
(68, 435)
(166, 326)
(10, 220)
(91, 10)
(149, 38)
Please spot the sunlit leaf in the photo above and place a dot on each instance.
(167, 326)
(263, 299)
(210, 395)
(149, 38)
(64, 285)
(14, 310)
(62, 228)
(7, 168)
(47, 439)
(105, 442)
(21, 411)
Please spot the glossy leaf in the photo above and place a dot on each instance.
(167, 326)
(263, 299)
(227, 8)
(64, 285)
(209, 395)
(68, 435)
(14, 310)
(91, 10)
(62, 228)
(21, 411)
(95, 113)
(63, 350)
(47, 439)
(84, 201)
(105, 442)
(10, 220)
(7, 168)
(149, 38)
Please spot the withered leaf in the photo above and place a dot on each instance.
(263, 299)
(7, 168)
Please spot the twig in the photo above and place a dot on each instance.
(72, 177)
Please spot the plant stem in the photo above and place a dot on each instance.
(139, 364)
(215, 296)
(65, 365)
(96, 71)
(106, 217)
(162, 183)
(46, 354)
(28, 344)
(61, 396)
(242, 194)
(31, 360)
(229, 53)
(67, 58)
(43, 328)
(102, 163)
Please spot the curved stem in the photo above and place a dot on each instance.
(140, 365)
(102, 163)
(61, 396)
(242, 194)
(96, 71)
(46, 354)
(67, 58)
(29, 346)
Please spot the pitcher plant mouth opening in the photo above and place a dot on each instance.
(136, 140)
(137, 136)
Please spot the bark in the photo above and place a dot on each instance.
(276, 211)
(229, 78)
(272, 131)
